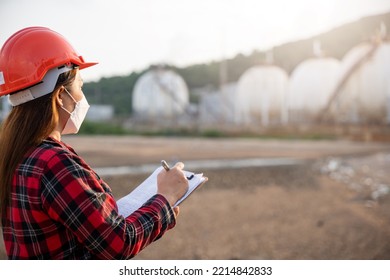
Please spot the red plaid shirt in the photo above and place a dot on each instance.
(61, 209)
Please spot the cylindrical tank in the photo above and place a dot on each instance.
(216, 107)
(365, 93)
(311, 84)
(160, 93)
(261, 92)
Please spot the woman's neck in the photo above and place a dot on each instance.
(56, 135)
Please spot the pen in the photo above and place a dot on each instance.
(165, 165)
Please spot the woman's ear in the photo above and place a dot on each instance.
(58, 97)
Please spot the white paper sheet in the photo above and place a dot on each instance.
(135, 199)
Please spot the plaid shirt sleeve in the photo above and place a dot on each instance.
(77, 198)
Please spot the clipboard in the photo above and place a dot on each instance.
(148, 188)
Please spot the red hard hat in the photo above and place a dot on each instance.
(30, 53)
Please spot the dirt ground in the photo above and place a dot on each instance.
(336, 205)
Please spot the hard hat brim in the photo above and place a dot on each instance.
(87, 64)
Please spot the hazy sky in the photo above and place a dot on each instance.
(129, 35)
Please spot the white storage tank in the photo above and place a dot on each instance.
(216, 107)
(160, 93)
(311, 84)
(364, 90)
(260, 97)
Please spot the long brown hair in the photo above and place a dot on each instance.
(26, 126)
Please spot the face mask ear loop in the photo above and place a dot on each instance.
(70, 95)
(72, 99)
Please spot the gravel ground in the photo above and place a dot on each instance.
(334, 206)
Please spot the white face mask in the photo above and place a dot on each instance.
(76, 118)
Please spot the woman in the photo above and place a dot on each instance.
(53, 205)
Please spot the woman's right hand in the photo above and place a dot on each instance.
(172, 184)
